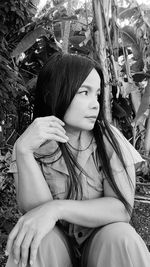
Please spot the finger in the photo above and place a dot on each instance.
(54, 118)
(56, 125)
(51, 124)
(53, 131)
(17, 245)
(11, 238)
(25, 247)
(34, 247)
(55, 138)
(57, 132)
(51, 118)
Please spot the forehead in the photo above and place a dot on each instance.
(93, 79)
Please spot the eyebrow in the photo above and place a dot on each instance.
(89, 87)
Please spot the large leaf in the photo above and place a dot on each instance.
(65, 18)
(59, 2)
(138, 65)
(144, 102)
(136, 99)
(147, 138)
(146, 14)
(3, 28)
(76, 40)
(129, 40)
(118, 111)
(31, 83)
(127, 87)
(128, 13)
(121, 108)
(140, 76)
(29, 39)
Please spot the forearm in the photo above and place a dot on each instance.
(32, 189)
(93, 213)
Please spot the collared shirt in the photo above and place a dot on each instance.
(56, 174)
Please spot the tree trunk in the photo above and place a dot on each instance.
(100, 7)
(67, 29)
(147, 136)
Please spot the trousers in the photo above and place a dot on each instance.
(113, 245)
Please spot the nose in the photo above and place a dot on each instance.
(94, 104)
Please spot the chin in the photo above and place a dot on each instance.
(83, 126)
(88, 127)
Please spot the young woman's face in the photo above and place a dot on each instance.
(84, 108)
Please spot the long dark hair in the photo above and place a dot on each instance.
(57, 84)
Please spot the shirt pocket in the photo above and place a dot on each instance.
(92, 187)
(93, 181)
(58, 185)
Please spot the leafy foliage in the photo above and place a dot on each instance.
(28, 36)
(13, 15)
(9, 212)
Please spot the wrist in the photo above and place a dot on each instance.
(59, 208)
(22, 149)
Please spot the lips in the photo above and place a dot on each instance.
(91, 117)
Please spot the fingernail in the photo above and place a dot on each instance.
(6, 253)
(31, 263)
(15, 261)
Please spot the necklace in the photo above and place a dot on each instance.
(80, 148)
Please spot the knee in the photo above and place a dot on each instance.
(114, 233)
(54, 248)
(52, 238)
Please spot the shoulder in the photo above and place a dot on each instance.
(129, 153)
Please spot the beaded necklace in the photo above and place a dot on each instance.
(80, 148)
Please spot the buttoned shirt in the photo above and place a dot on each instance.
(56, 174)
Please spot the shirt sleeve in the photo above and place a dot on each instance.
(125, 177)
(130, 154)
(41, 152)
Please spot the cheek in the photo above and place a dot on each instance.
(67, 117)
(69, 114)
(73, 114)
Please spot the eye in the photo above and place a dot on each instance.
(84, 92)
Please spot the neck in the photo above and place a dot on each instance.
(79, 140)
(73, 134)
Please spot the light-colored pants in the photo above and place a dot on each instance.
(114, 245)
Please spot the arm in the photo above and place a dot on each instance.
(92, 213)
(31, 187)
(109, 209)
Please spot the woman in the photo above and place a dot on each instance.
(75, 177)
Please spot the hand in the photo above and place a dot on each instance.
(41, 130)
(29, 231)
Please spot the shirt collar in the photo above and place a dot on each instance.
(50, 153)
